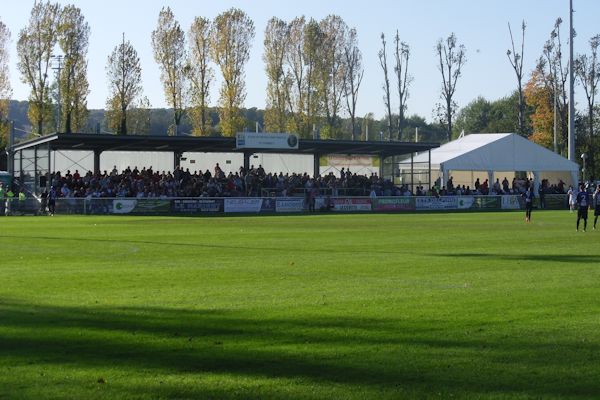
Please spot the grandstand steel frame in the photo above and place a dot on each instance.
(34, 173)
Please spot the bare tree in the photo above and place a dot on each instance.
(516, 61)
(295, 73)
(200, 74)
(558, 73)
(402, 55)
(352, 77)
(386, 83)
(34, 49)
(168, 43)
(587, 70)
(451, 57)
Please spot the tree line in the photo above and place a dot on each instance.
(314, 73)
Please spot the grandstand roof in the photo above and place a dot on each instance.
(103, 142)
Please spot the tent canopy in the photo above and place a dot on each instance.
(496, 152)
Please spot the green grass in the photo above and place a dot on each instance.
(464, 305)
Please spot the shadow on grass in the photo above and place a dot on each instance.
(231, 246)
(561, 258)
(382, 354)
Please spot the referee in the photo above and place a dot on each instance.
(596, 203)
(583, 203)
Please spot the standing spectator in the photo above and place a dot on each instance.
(583, 203)
(52, 200)
(596, 202)
(572, 198)
(528, 196)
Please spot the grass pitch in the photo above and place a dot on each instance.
(464, 305)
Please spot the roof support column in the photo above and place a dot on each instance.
(96, 161)
(247, 161)
(381, 161)
(412, 173)
(316, 165)
(176, 159)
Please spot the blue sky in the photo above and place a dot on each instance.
(481, 25)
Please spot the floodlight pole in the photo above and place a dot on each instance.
(571, 88)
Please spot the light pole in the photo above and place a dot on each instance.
(583, 158)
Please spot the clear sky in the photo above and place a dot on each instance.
(481, 25)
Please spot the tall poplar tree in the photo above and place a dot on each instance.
(232, 37)
(34, 49)
(168, 43)
(275, 45)
(352, 77)
(5, 88)
(386, 83)
(403, 79)
(451, 58)
(73, 39)
(200, 74)
(124, 75)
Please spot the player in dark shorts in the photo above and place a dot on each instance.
(528, 196)
(596, 203)
(583, 203)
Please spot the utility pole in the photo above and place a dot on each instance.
(571, 88)
(555, 121)
(58, 70)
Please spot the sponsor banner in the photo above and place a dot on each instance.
(511, 202)
(289, 204)
(140, 206)
(197, 206)
(255, 140)
(351, 204)
(341, 160)
(465, 202)
(556, 201)
(268, 205)
(487, 202)
(243, 205)
(436, 203)
(393, 204)
(123, 206)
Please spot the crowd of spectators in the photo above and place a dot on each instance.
(183, 183)
(255, 182)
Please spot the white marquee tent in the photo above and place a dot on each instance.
(496, 153)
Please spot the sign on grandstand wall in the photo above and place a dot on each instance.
(436, 203)
(289, 204)
(351, 204)
(249, 205)
(197, 206)
(255, 140)
(140, 206)
(510, 203)
(393, 204)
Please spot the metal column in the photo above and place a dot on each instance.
(381, 161)
(247, 161)
(316, 165)
(97, 161)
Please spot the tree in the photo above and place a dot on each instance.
(386, 83)
(587, 70)
(125, 84)
(352, 77)
(311, 47)
(276, 44)
(483, 116)
(332, 70)
(138, 122)
(200, 74)
(34, 49)
(73, 39)
(168, 43)
(556, 75)
(451, 57)
(516, 61)
(402, 55)
(5, 88)
(539, 95)
(232, 37)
